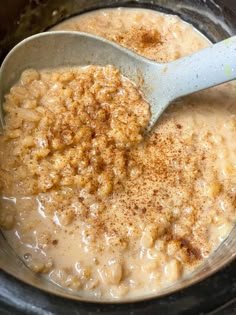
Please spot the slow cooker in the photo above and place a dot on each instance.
(211, 289)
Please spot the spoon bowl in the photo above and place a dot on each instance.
(159, 83)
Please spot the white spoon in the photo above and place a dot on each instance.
(160, 83)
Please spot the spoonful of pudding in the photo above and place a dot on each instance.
(159, 83)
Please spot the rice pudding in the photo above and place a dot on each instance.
(89, 203)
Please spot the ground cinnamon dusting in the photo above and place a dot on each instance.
(141, 38)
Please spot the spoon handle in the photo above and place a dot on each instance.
(206, 68)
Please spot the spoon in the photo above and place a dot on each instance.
(159, 83)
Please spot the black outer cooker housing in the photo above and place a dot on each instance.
(214, 295)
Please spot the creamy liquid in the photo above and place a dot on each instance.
(178, 204)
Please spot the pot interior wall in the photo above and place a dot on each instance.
(22, 18)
